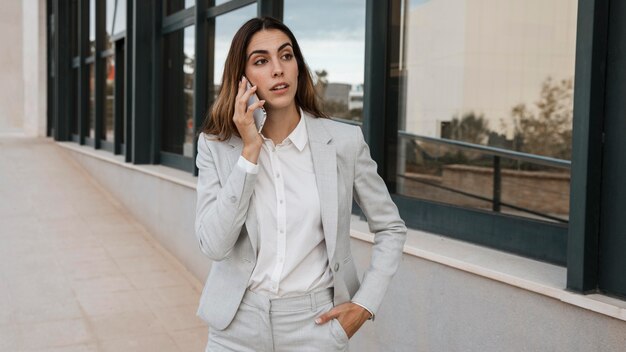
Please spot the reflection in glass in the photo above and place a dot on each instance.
(92, 27)
(496, 74)
(115, 20)
(92, 110)
(109, 102)
(225, 28)
(334, 51)
(173, 6)
(179, 67)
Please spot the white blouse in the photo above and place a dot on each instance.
(292, 258)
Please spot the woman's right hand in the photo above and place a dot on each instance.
(244, 121)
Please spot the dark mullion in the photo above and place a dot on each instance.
(62, 70)
(118, 96)
(586, 174)
(128, 86)
(179, 20)
(99, 74)
(390, 120)
(83, 71)
(272, 8)
(142, 83)
(375, 85)
(157, 79)
(228, 7)
(50, 15)
(203, 75)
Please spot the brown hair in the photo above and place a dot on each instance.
(219, 120)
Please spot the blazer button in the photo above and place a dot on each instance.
(336, 266)
(233, 199)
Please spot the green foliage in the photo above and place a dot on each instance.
(546, 128)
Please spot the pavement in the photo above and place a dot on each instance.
(77, 273)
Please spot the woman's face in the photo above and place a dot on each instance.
(272, 66)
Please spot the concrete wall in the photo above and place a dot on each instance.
(429, 306)
(23, 67)
(34, 67)
(11, 56)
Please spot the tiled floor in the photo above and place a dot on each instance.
(76, 272)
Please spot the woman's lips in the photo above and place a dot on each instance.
(280, 88)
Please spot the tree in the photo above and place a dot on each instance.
(321, 81)
(546, 129)
(470, 128)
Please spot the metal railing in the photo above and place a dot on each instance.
(497, 154)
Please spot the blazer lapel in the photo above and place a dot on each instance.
(325, 166)
(251, 220)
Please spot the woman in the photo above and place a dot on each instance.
(274, 208)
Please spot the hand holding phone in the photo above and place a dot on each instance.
(258, 114)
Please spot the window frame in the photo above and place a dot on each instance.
(537, 239)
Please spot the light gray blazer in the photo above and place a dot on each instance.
(226, 225)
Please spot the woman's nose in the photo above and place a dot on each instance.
(278, 70)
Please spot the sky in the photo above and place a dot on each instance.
(331, 35)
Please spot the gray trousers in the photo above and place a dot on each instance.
(280, 325)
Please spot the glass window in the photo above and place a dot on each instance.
(334, 51)
(225, 28)
(109, 98)
(179, 65)
(173, 6)
(115, 19)
(92, 27)
(488, 73)
(92, 107)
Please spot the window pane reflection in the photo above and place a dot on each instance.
(179, 66)
(225, 28)
(92, 27)
(109, 102)
(92, 110)
(334, 51)
(115, 20)
(490, 73)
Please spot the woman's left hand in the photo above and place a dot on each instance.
(349, 315)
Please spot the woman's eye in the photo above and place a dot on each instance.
(260, 62)
(287, 57)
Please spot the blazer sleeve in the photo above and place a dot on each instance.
(220, 210)
(371, 194)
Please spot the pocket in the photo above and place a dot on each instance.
(338, 332)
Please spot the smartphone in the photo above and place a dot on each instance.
(258, 114)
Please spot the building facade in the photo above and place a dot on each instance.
(497, 126)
